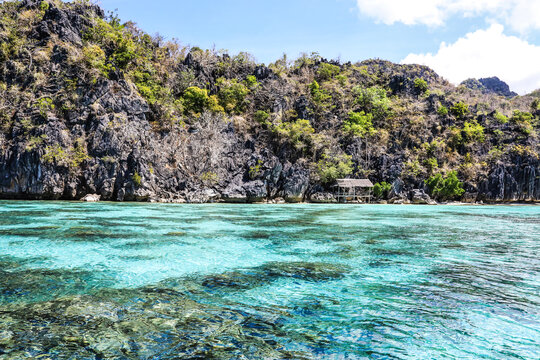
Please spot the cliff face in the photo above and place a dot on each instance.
(92, 106)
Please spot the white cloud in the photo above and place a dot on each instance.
(486, 53)
(520, 15)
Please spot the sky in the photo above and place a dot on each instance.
(459, 39)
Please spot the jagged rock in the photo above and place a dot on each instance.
(491, 85)
(469, 197)
(296, 182)
(91, 198)
(418, 196)
(202, 196)
(397, 190)
(323, 197)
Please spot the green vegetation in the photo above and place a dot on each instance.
(421, 86)
(372, 100)
(329, 117)
(459, 110)
(500, 118)
(232, 95)
(334, 166)
(359, 124)
(381, 190)
(255, 170)
(137, 179)
(327, 71)
(71, 158)
(445, 188)
(473, 132)
(209, 178)
(45, 105)
(299, 133)
(262, 117)
(442, 110)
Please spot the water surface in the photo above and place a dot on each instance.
(161, 281)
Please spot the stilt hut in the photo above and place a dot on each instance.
(353, 190)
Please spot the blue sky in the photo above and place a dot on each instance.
(458, 38)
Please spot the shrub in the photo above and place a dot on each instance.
(442, 110)
(209, 178)
(251, 81)
(500, 117)
(445, 188)
(334, 166)
(459, 110)
(298, 132)
(420, 85)
(255, 170)
(137, 179)
(535, 105)
(359, 124)
(524, 120)
(232, 95)
(472, 131)
(45, 105)
(262, 117)
(319, 96)
(431, 164)
(381, 190)
(327, 71)
(195, 100)
(372, 100)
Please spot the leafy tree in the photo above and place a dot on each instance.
(298, 132)
(381, 190)
(327, 71)
(334, 166)
(445, 188)
(232, 95)
(359, 124)
(195, 100)
(372, 100)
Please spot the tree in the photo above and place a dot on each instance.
(445, 188)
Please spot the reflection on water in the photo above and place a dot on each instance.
(155, 281)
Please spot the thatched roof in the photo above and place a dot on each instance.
(350, 183)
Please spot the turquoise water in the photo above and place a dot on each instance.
(161, 281)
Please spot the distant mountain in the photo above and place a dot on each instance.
(491, 85)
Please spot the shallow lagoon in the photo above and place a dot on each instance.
(162, 281)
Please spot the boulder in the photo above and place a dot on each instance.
(91, 198)
(418, 196)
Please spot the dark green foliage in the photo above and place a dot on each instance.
(381, 190)
(445, 188)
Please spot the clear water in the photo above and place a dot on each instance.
(160, 281)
